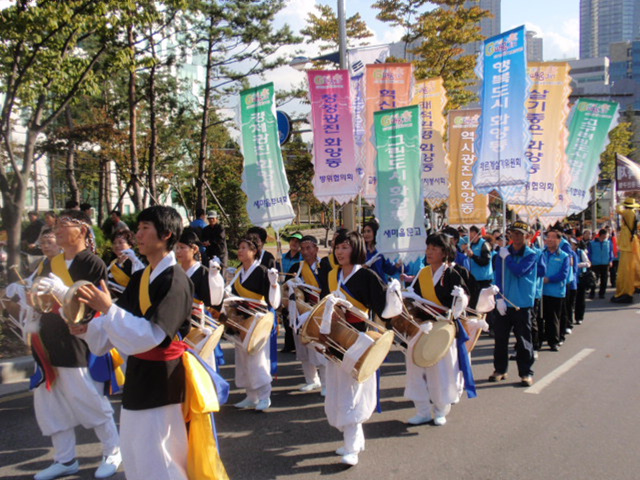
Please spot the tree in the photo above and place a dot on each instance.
(437, 37)
(41, 71)
(322, 27)
(620, 141)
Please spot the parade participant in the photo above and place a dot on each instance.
(480, 253)
(159, 374)
(311, 272)
(292, 257)
(329, 262)
(566, 322)
(537, 328)
(554, 287)
(49, 246)
(518, 286)
(254, 281)
(433, 389)
(68, 396)
(259, 236)
(585, 279)
(348, 403)
(600, 252)
(625, 286)
(381, 265)
(461, 259)
(126, 262)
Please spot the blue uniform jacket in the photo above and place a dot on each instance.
(600, 253)
(520, 276)
(481, 267)
(558, 266)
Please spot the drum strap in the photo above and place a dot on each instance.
(118, 274)
(333, 286)
(143, 295)
(309, 276)
(40, 268)
(427, 289)
(59, 268)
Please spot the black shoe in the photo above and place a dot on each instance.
(592, 296)
(578, 322)
(288, 350)
(512, 357)
(554, 348)
(624, 298)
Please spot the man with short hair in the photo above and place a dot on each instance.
(480, 253)
(200, 222)
(519, 287)
(116, 222)
(600, 254)
(554, 287)
(31, 233)
(214, 238)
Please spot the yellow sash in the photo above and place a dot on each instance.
(245, 292)
(59, 268)
(427, 290)
(308, 275)
(40, 268)
(118, 274)
(143, 296)
(333, 286)
(332, 261)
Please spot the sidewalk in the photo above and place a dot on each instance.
(15, 373)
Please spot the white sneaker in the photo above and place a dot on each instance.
(419, 419)
(309, 386)
(246, 403)
(109, 465)
(263, 404)
(341, 451)
(439, 421)
(350, 459)
(56, 470)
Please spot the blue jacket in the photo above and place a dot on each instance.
(288, 261)
(600, 253)
(541, 272)
(462, 260)
(480, 263)
(382, 266)
(558, 266)
(520, 275)
(573, 284)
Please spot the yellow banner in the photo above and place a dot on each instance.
(466, 206)
(547, 112)
(388, 85)
(432, 98)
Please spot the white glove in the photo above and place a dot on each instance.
(504, 252)
(458, 291)
(136, 264)
(501, 305)
(460, 302)
(393, 303)
(52, 284)
(13, 290)
(216, 284)
(215, 263)
(272, 273)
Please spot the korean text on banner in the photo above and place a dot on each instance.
(627, 174)
(388, 85)
(263, 179)
(335, 175)
(359, 58)
(399, 205)
(589, 128)
(547, 112)
(503, 134)
(432, 98)
(466, 206)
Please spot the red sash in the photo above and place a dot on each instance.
(159, 354)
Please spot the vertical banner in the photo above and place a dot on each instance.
(627, 174)
(388, 85)
(503, 134)
(589, 128)
(359, 58)
(400, 204)
(432, 98)
(263, 180)
(335, 175)
(466, 206)
(547, 113)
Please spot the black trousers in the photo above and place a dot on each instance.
(289, 343)
(602, 272)
(581, 295)
(551, 312)
(537, 325)
(566, 320)
(520, 322)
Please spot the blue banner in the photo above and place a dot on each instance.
(503, 134)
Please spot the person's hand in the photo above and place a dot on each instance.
(97, 299)
(504, 252)
(78, 328)
(272, 273)
(501, 306)
(52, 284)
(406, 278)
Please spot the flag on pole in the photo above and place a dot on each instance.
(263, 179)
(627, 174)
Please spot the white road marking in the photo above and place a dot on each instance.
(561, 370)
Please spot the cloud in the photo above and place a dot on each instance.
(559, 44)
(295, 13)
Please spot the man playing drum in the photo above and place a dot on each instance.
(433, 389)
(311, 272)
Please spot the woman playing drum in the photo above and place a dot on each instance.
(349, 403)
(434, 389)
(126, 262)
(254, 281)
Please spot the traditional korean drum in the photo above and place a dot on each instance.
(248, 323)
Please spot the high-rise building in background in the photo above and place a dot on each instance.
(534, 47)
(489, 26)
(603, 22)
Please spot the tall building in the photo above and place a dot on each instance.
(603, 22)
(489, 26)
(534, 47)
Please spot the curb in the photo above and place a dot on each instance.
(16, 369)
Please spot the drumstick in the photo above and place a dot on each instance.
(511, 303)
(20, 279)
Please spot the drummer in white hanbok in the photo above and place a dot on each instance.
(434, 389)
(253, 280)
(348, 403)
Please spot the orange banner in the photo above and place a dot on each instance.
(388, 85)
(466, 206)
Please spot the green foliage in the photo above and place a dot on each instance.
(322, 27)
(436, 37)
(620, 141)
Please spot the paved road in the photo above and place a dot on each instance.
(583, 424)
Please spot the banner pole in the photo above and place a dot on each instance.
(504, 238)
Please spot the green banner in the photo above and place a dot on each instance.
(263, 179)
(590, 123)
(399, 202)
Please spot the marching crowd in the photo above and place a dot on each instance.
(157, 291)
